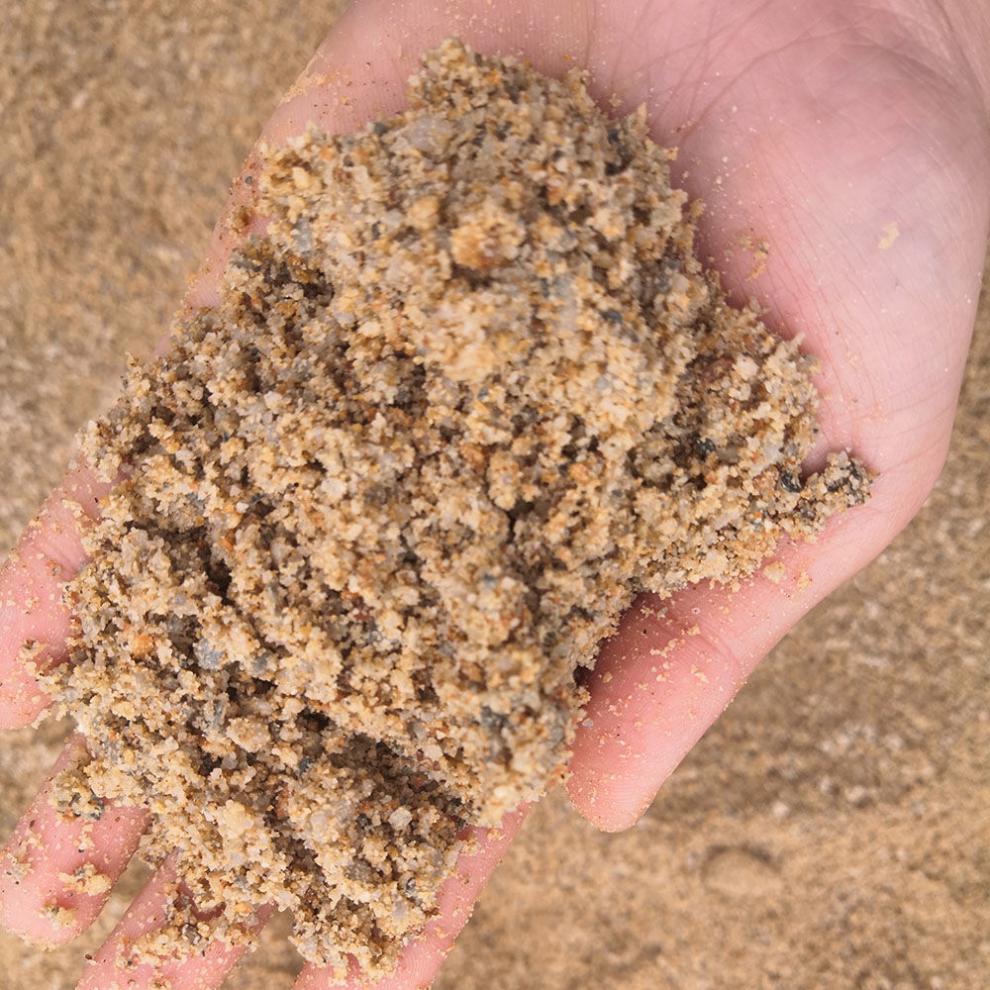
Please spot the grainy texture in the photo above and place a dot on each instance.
(884, 886)
(467, 394)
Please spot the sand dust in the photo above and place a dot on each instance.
(848, 783)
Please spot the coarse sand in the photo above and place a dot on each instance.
(466, 394)
(827, 830)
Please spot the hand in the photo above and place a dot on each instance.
(852, 141)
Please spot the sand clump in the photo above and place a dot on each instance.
(466, 395)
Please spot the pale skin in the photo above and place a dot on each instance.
(849, 139)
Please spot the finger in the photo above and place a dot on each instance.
(58, 869)
(33, 618)
(421, 959)
(128, 958)
(673, 667)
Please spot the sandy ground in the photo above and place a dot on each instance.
(833, 831)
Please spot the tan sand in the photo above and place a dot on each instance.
(467, 394)
(828, 831)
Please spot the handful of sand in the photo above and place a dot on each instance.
(468, 393)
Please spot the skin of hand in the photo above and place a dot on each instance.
(842, 149)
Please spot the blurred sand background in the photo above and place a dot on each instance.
(833, 831)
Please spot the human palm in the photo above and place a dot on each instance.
(842, 151)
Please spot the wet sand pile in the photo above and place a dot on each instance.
(467, 394)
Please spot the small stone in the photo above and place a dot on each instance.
(775, 572)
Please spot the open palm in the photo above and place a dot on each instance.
(842, 151)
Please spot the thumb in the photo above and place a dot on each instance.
(673, 666)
